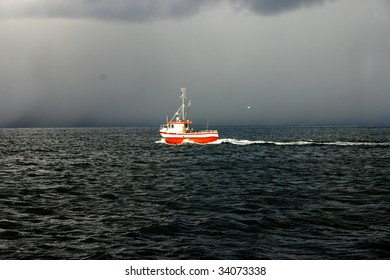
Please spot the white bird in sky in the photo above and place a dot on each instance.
(248, 107)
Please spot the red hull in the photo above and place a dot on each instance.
(199, 140)
(193, 137)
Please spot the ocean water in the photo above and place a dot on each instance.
(258, 193)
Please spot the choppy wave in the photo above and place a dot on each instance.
(113, 193)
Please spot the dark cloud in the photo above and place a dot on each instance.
(125, 66)
(135, 10)
(269, 7)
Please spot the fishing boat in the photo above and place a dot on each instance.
(178, 130)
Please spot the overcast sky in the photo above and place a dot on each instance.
(122, 63)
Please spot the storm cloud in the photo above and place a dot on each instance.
(122, 63)
(270, 7)
(136, 10)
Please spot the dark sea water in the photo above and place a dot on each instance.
(258, 193)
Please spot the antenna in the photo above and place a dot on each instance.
(183, 96)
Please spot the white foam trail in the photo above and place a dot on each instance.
(244, 142)
(161, 141)
(237, 141)
(249, 142)
(338, 143)
(292, 143)
(297, 143)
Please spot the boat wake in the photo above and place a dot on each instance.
(244, 142)
(298, 143)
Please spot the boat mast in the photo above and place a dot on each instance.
(181, 113)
